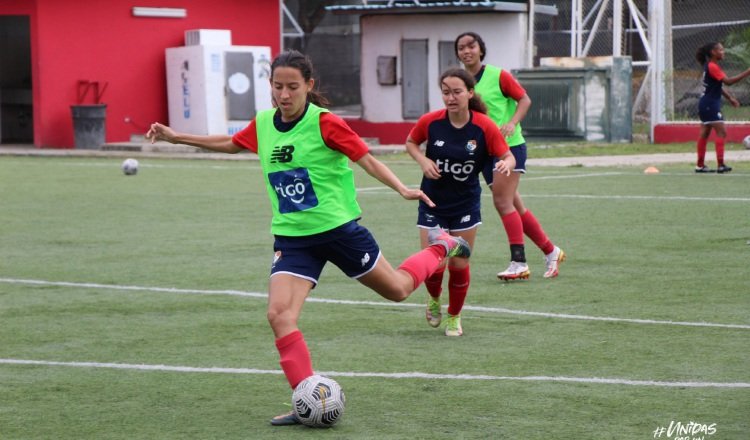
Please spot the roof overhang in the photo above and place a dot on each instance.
(441, 7)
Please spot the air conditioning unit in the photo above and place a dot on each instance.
(208, 37)
(217, 89)
(590, 100)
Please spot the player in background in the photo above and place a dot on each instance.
(709, 106)
(460, 141)
(507, 104)
(304, 153)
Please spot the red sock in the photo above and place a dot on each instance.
(513, 227)
(702, 152)
(533, 229)
(719, 151)
(295, 357)
(424, 263)
(458, 286)
(434, 283)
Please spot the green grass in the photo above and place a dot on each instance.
(667, 247)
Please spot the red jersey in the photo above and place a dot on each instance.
(460, 154)
(336, 134)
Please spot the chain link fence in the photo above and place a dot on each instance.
(694, 23)
(333, 42)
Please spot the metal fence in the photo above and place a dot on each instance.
(693, 24)
(334, 46)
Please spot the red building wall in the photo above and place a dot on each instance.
(100, 40)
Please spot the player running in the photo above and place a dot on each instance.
(507, 104)
(460, 141)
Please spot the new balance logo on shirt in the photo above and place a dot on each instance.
(282, 154)
(439, 143)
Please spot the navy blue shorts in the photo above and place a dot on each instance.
(351, 247)
(459, 222)
(519, 152)
(709, 111)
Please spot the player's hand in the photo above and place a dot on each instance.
(160, 132)
(430, 169)
(507, 129)
(734, 102)
(502, 167)
(417, 194)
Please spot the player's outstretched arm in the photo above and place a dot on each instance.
(219, 143)
(735, 79)
(732, 100)
(380, 171)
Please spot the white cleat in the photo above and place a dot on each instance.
(553, 260)
(515, 271)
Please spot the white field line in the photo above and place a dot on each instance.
(406, 375)
(574, 176)
(487, 194)
(495, 310)
(559, 176)
(116, 164)
(659, 198)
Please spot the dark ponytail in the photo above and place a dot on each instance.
(704, 52)
(475, 102)
(297, 60)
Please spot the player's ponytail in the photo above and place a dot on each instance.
(475, 102)
(297, 60)
(704, 52)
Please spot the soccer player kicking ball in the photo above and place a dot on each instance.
(304, 152)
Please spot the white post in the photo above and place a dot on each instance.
(656, 37)
(617, 28)
(579, 27)
(530, 49)
(660, 26)
(573, 28)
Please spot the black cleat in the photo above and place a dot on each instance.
(723, 169)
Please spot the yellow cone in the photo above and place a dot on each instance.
(651, 170)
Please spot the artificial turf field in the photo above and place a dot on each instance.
(134, 308)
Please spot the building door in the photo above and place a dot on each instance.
(16, 112)
(447, 56)
(414, 93)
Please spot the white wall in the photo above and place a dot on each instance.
(504, 33)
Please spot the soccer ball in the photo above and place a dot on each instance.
(318, 401)
(746, 142)
(130, 167)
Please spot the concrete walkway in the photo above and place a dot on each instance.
(166, 150)
(730, 157)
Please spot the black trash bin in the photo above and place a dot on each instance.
(89, 125)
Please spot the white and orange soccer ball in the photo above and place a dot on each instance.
(318, 401)
(746, 142)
